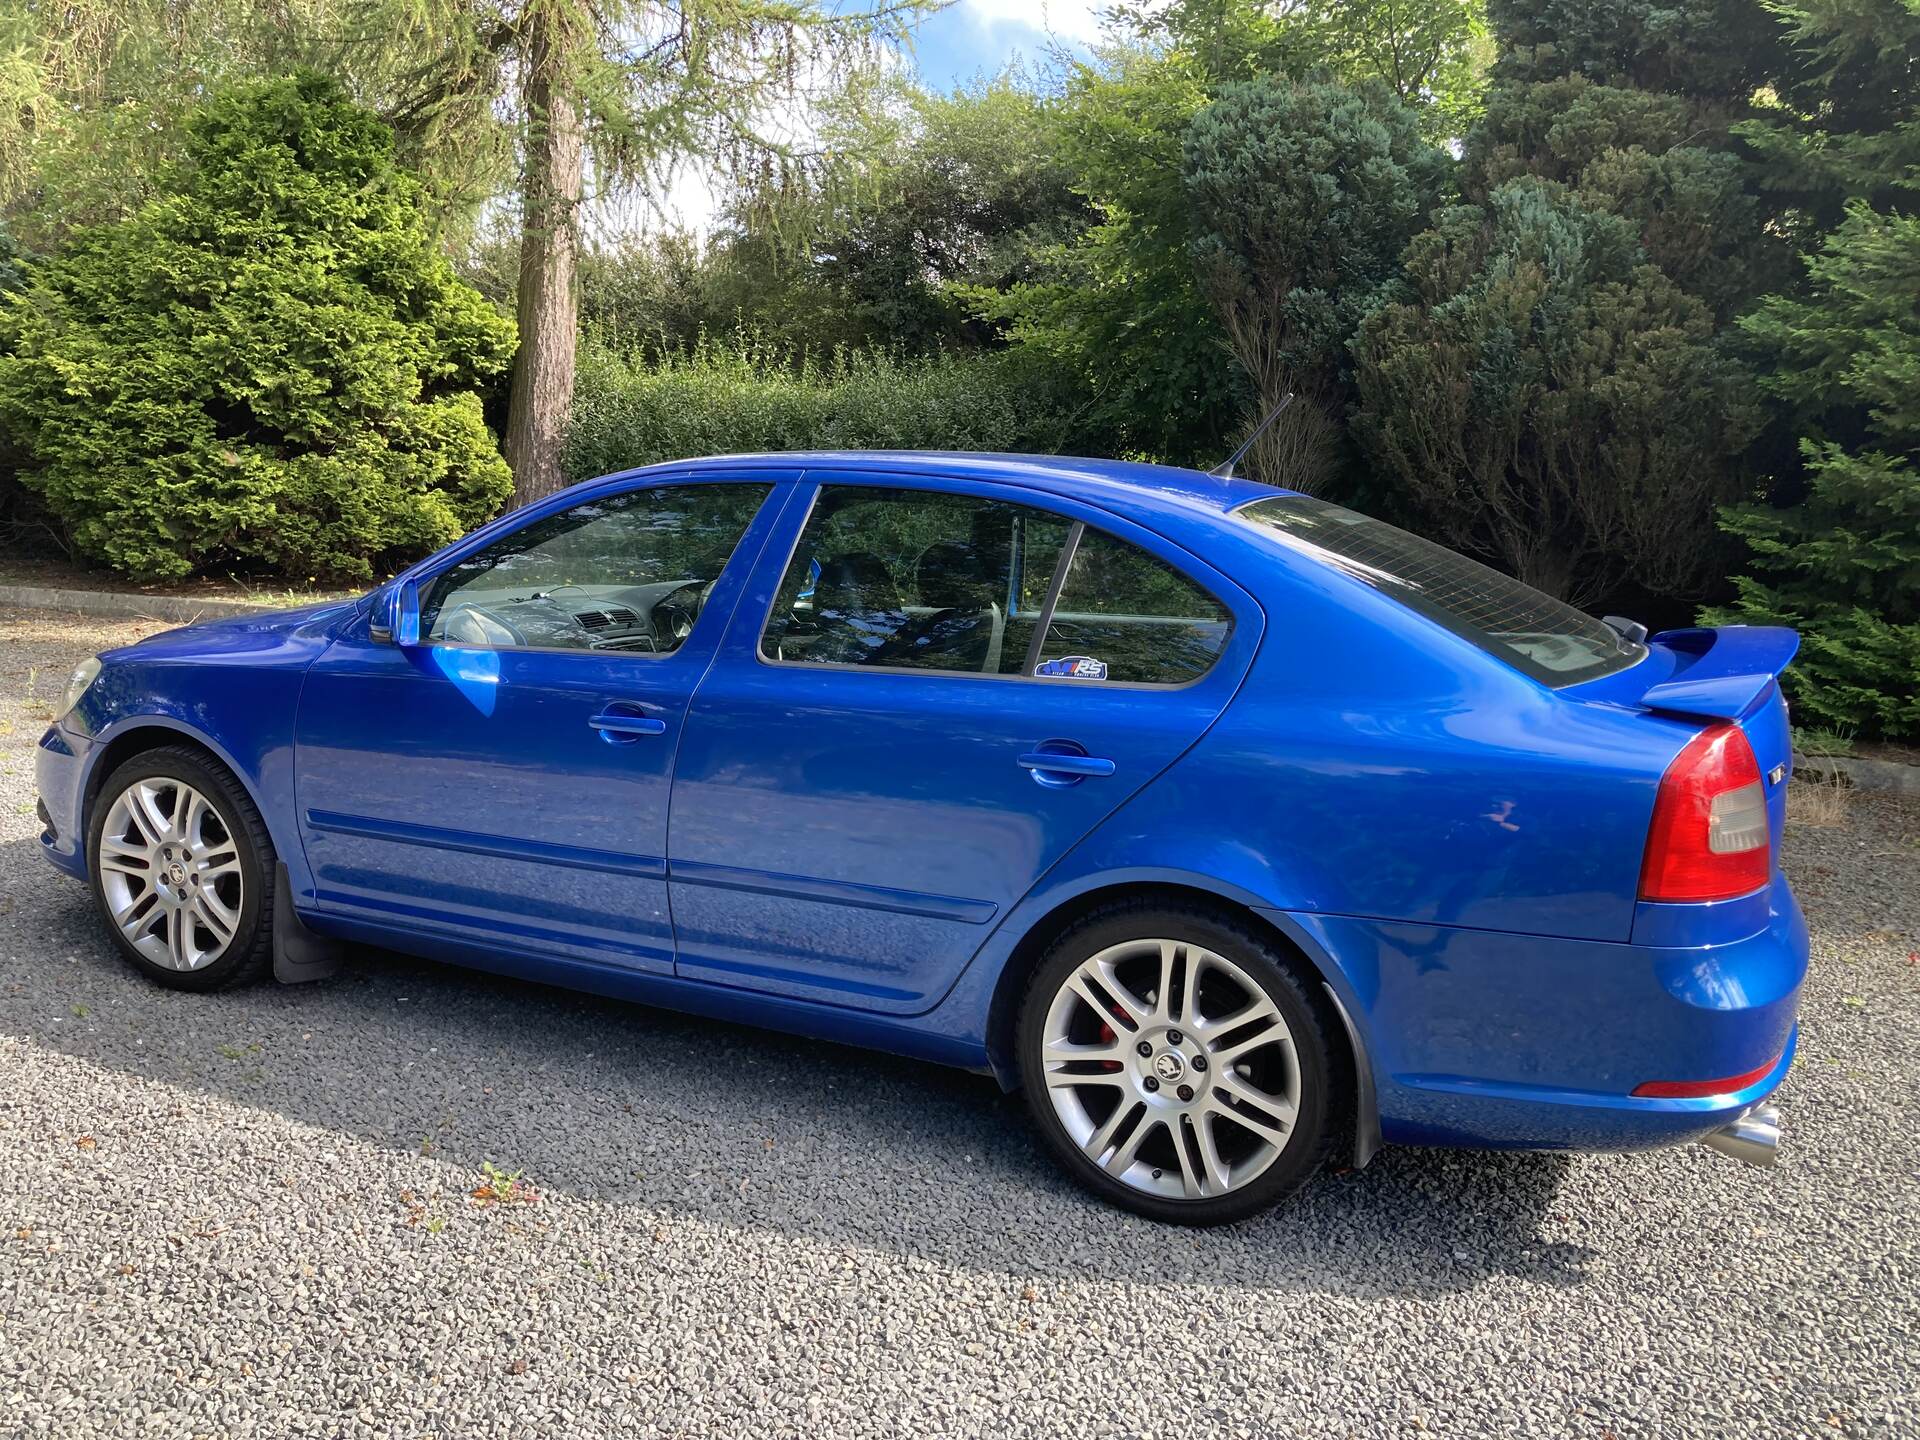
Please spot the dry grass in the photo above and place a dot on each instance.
(1819, 795)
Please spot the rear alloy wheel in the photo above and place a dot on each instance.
(180, 859)
(1176, 1065)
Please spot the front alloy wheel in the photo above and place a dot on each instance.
(170, 872)
(1176, 1064)
(180, 863)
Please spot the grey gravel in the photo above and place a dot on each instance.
(253, 1214)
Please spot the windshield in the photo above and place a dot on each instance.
(1530, 630)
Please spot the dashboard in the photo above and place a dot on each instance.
(652, 619)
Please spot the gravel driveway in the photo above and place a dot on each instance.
(256, 1214)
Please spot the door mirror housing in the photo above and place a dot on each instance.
(396, 615)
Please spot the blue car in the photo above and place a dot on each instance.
(1243, 831)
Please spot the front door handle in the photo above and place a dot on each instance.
(616, 722)
(1055, 762)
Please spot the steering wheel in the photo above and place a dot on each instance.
(675, 612)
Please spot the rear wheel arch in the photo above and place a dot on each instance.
(1010, 988)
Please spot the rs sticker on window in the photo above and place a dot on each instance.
(1073, 667)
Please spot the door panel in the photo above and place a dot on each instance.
(850, 833)
(511, 794)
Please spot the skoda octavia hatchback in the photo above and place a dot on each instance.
(1243, 832)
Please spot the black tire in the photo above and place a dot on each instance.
(1324, 1102)
(249, 953)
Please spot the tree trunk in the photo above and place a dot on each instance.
(548, 307)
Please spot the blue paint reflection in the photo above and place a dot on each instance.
(474, 673)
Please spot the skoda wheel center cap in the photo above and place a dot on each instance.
(1168, 1067)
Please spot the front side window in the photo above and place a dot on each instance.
(1529, 629)
(926, 580)
(623, 572)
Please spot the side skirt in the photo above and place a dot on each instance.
(831, 1023)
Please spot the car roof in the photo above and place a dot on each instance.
(1152, 486)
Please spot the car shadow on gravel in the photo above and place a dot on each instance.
(677, 1117)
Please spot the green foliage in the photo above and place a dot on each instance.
(1119, 309)
(965, 193)
(1661, 160)
(1551, 400)
(268, 364)
(1162, 334)
(741, 398)
(1836, 551)
(1843, 564)
(96, 97)
(1432, 54)
(1303, 197)
(933, 197)
(1724, 48)
(1847, 125)
(13, 263)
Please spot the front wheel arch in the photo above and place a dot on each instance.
(139, 734)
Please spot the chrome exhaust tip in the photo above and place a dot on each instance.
(1753, 1139)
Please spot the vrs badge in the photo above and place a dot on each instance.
(1073, 667)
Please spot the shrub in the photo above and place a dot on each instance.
(1303, 198)
(1550, 400)
(268, 365)
(739, 398)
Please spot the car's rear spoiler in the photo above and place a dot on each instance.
(1720, 673)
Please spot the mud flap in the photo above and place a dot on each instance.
(299, 955)
(1366, 1100)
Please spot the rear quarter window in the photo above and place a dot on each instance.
(1527, 628)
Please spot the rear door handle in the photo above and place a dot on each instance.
(1053, 762)
(615, 722)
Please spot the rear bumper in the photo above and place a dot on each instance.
(1488, 1039)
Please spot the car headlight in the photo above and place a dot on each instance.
(83, 676)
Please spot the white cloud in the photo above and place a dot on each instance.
(1076, 20)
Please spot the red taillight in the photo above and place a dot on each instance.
(1708, 840)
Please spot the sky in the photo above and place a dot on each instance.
(967, 40)
(976, 37)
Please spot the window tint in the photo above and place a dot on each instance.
(1530, 630)
(1133, 614)
(925, 580)
(624, 572)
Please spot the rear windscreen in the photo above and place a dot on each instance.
(1533, 632)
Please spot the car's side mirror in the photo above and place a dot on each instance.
(396, 615)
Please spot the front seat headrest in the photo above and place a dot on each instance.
(950, 576)
(857, 580)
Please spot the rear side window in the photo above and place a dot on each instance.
(1134, 614)
(1530, 630)
(930, 580)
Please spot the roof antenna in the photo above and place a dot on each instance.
(1224, 471)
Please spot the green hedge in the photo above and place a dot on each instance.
(739, 398)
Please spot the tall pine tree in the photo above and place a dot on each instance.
(1838, 552)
